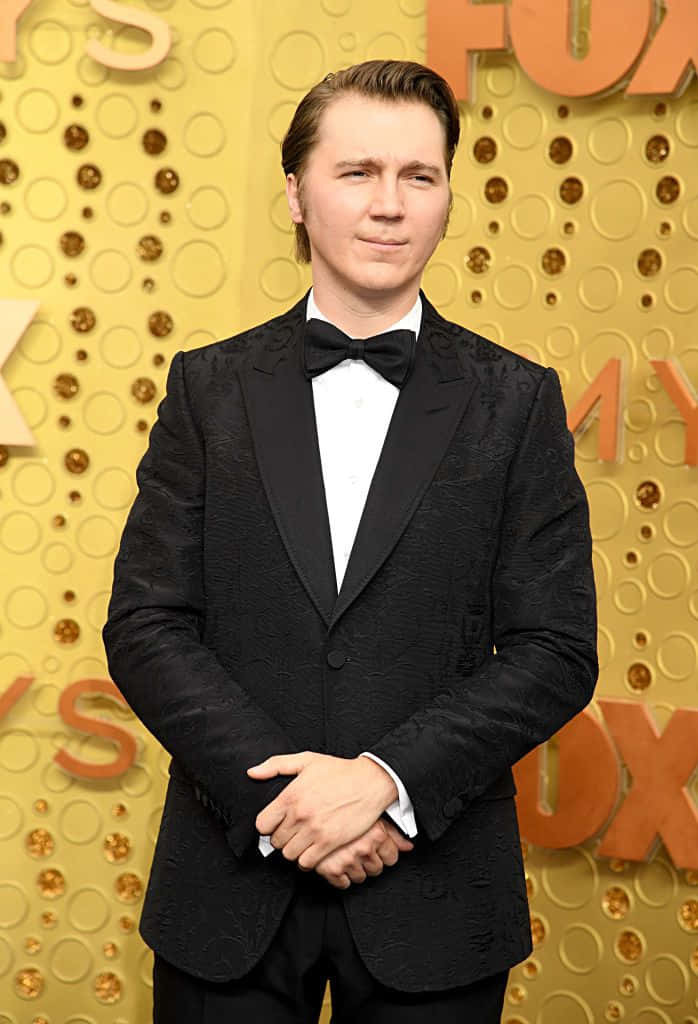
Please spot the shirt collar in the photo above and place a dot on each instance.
(411, 321)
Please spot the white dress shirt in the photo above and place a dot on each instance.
(353, 407)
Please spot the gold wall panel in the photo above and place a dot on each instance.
(573, 240)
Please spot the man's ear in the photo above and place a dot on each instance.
(293, 197)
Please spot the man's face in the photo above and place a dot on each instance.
(375, 194)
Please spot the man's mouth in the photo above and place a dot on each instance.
(384, 242)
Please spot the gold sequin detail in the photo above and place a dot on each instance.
(88, 176)
(629, 946)
(560, 150)
(82, 319)
(571, 190)
(72, 243)
(478, 259)
(628, 985)
(9, 172)
(39, 843)
(76, 136)
(160, 323)
(128, 887)
(553, 261)
(29, 983)
(66, 385)
(117, 847)
(639, 676)
(517, 994)
(668, 190)
(537, 931)
(688, 915)
(647, 494)
(616, 902)
(107, 987)
(66, 631)
(166, 180)
(76, 460)
(485, 150)
(657, 149)
(649, 262)
(150, 248)
(154, 141)
(51, 883)
(143, 389)
(496, 190)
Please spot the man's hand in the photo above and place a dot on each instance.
(367, 855)
(333, 801)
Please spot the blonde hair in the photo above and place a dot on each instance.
(387, 79)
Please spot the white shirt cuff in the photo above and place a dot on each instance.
(400, 810)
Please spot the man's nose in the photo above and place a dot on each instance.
(387, 200)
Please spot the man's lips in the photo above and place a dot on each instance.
(391, 243)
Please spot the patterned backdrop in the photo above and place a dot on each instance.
(143, 212)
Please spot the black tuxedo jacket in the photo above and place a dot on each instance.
(463, 635)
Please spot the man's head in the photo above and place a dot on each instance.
(368, 156)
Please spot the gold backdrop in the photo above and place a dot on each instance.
(145, 211)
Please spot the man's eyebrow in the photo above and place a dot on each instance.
(413, 165)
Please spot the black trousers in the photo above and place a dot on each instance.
(313, 944)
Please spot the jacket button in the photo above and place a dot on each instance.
(453, 807)
(336, 658)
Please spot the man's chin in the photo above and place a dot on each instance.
(377, 280)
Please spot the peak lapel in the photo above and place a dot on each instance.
(282, 418)
(281, 412)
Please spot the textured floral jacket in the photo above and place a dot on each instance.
(463, 635)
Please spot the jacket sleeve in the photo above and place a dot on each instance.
(172, 681)
(544, 621)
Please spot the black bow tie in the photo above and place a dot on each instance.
(392, 353)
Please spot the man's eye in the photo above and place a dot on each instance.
(349, 173)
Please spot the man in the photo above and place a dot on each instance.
(354, 588)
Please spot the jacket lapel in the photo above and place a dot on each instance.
(281, 412)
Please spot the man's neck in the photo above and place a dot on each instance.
(363, 317)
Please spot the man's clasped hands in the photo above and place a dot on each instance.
(328, 818)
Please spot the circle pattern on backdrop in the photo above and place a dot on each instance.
(569, 243)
